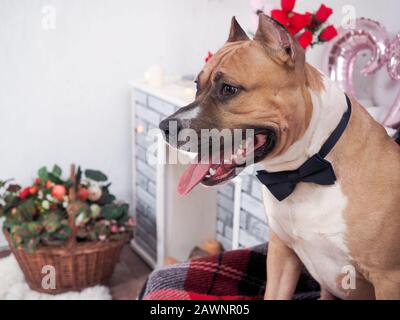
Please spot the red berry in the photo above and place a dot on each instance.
(58, 192)
(49, 184)
(33, 189)
(83, 194)
(24, 193)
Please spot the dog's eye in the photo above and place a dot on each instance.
(228, 90)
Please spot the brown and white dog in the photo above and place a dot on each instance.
(265, 84)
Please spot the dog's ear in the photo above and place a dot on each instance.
(237, 33)
(276, 37)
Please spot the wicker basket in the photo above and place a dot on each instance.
(77, 265)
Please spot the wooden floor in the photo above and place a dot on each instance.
(129, 275)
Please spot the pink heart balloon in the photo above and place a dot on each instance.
(393, 118)
(343, 51)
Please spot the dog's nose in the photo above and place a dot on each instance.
(170, 124)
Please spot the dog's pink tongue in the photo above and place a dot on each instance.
(192, 176)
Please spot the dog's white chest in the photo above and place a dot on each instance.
(310, 221)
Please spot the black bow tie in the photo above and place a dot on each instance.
(314, 170)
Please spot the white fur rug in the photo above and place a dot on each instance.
(14, 287)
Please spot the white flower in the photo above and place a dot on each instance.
(45, 205)
(80, 219)
(2, 202)
(94, 192)
(95, 210)
(65, 204)
(40, 194)
(50, 198)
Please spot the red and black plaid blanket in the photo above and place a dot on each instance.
(239, 274)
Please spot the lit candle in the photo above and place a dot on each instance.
(154, 76)
(140, 128)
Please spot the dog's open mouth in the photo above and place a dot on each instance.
(251, 150)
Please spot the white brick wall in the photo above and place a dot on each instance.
(253, 228)
(160, 106)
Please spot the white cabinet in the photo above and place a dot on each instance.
(167, 223)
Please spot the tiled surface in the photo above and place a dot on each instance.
(147, 118)
(253, 225)
(149, 111)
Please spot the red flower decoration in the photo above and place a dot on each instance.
(299, 22)
(288, 5)
(293, 21)
(24, 193)
(328, 33)
(304, 26)
(323, 13)
(305, 39)
(209, 56)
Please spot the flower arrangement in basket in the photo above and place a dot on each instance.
(75, 225)
(308, 28)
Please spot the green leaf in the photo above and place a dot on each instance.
(51, 222)
(21, 230)
(125, 214)
(11, 201)
(26, 210)
(63, 234)
(95, 175)
(92, 235)
(16, 240)
(106, 198)
(117, 236)
(78, 176)
(123, 219)
(57, 171)
(43, 174)
(32, 244)
(55, 179)
(49, 240)
(125, 207)
(34, 228)
(68, 184)
(112, 212)
(82, 234)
